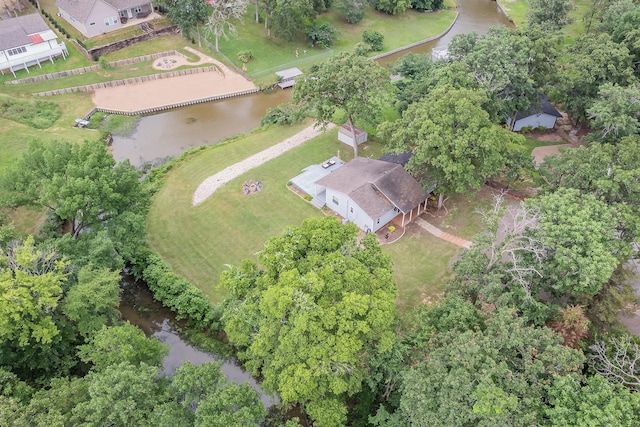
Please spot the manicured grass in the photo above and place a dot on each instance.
(272, 53)
(531, 143)
(198, 242)
(421, 266)
(516, 10)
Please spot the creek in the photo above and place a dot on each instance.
(170, 133)
(140, 309)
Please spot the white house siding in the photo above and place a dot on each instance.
(538, 120)
(99, 13)
(350, 210)
(35, 53)
(384, 219)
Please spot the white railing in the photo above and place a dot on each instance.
(34, 58)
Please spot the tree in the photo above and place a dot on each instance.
(214, 401)
(288, 17)
(120, 395)
(351, 11)
(126, 343)
(575, 401)
(616, 358)
(596, 60)
(346, 82)
(549, 14)
(187, 14)
(616, 113)
(92, 303)
(392, 7)
(222, 14)
(84, 186)
(491, 376)
(312, 315)
(31, 281)
(455, 145)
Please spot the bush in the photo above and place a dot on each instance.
(283, 114)
(322, 35)
(104, 63)
(351, 11)
(117, 124)
(373, 39)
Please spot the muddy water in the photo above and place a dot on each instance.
(140, 309)
(474, 16)
(169, 134)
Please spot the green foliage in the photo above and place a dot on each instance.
(591, 401)
(392, 7)
(119, 124)
(31, 281)
(288, 17)
(93, 302)
(187, 14)
(126, 343)
(283, 114)
(455, 145)
(309, 319)
(177, 293)
(616, 112)
(120, 395)
(215, 402)
(321, 35)
(493, 376)
(373, 39)
(349, 82)
(104, 63)
(34, 113)
(244, 56)
(549, 14)
(425, 5)
(352, 11)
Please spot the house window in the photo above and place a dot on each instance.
(138, 9)
(123, 14)
(336, 201)
(17, 51)
(351, 208)
(113, 20)
(378, 221)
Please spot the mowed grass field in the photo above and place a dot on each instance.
(200, 242)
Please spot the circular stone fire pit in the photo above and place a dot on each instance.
(251, 187)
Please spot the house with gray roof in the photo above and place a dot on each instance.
(26, 41)
(371, 193)
(541, 115)
(95, 17)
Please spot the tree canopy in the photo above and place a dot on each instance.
(347, 82)
(310, 317)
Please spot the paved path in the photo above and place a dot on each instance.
(458, 241)
(212, 183)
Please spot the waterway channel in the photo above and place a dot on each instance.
(168, 134)
(140, 309)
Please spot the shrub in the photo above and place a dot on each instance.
(362, 49)
(104, 63)
(283, 114)
(351, 11)
(392, 7)
(373, 39)
(322, 35)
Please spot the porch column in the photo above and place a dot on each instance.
(403, 214)
(410, 215)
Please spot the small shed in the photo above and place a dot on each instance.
(540, 115)
(345, 135)
(288, 77)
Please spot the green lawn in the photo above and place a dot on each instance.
(199, 242)
(270, 53)
(517, 12)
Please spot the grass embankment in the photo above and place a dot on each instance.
(198, 242)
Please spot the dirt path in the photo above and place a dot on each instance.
(212, 183)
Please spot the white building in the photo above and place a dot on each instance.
(95, 17)
(26, 41)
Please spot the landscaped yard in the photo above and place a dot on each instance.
(199, 242)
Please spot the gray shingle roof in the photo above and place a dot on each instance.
(80, 9)
(15, 32)
(543, 106)
(376, 186)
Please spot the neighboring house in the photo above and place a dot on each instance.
(95, 17)
(25, 41)
(345, 135)
(371, 193)
(542, 114)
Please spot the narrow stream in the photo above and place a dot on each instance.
(140, 309)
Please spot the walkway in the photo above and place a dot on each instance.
(212, 183)
(458, 241)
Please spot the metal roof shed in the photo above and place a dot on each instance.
(288, 77)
